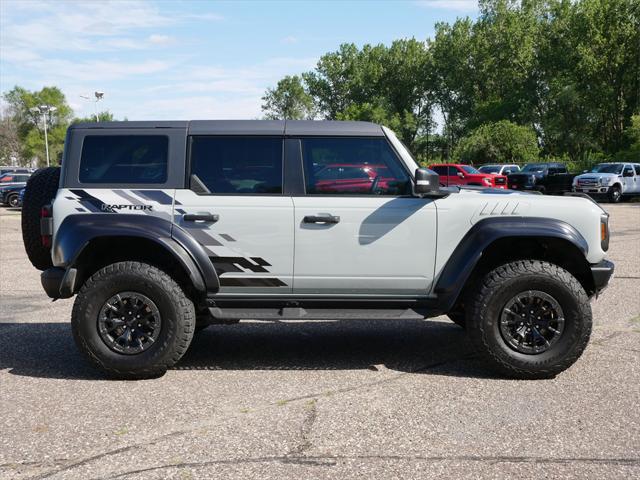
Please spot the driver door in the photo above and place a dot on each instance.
(370, 239)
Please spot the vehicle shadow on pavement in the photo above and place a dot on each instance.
(47, 350)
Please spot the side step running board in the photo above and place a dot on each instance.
(297, 313)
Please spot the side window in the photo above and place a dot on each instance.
(628, 169)
(236, 165)
(562, 169)
(124, 159)
(552, 170)
(352, 166)
(440, 170)
(637, 168)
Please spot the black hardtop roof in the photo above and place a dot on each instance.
(250, 127)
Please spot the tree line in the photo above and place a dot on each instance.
(22, 130)
(528, 80)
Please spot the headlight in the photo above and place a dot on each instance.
(533, 179)
(605, 180)
(487, 181)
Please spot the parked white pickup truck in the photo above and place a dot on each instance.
(612, 180)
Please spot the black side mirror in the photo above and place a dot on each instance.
(427, 182)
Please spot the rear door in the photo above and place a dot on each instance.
(629, 179)
(350, 242)
(636, 168)
(236, 209)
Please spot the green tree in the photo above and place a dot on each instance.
(9, 140)
(498, 142)
(632, 137)
(102, 117)
(376, 83)
(30, 126)
(288, 101)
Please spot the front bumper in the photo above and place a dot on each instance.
(526, 186)
(592, 190)
(602, 273)
(59, 282)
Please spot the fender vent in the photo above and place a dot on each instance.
(503, 208)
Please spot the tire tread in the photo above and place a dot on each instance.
(496, 278)
(184, 306)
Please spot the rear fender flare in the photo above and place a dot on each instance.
(77, 231)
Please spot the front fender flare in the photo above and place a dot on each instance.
(467, 254)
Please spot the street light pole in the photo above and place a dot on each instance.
(45, 110)
(46, 139)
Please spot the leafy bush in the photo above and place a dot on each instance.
(498, 142)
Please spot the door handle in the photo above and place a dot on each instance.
(200, 217)
(321, 219)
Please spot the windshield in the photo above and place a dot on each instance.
(607, 168)
(469, 169)
(490, 168)
(534, 168)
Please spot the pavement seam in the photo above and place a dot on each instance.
(331, 460)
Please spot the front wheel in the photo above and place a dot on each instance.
(615, 194)
(132, 320)
(530, 319)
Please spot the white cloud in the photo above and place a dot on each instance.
(58, 71)
(85, 26)
(158, 39)
(457, 5)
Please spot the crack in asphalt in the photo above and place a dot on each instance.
(311, 413)
(332, 460)
(200, 425)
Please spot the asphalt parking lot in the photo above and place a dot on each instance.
(317, 400)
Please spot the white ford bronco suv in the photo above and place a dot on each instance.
(162, 228)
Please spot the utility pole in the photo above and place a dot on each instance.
(99, 96)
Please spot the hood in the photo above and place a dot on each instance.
(597, 175)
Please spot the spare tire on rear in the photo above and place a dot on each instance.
(40, 191)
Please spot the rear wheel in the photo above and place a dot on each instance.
(132, 321)
(530, 319)
(13, 200)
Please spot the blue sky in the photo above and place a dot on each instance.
(191, 60)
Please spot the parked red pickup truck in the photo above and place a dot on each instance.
(455, 174)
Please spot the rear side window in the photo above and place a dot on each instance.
(637, 167)
(124, 159)
(236, 165)
(352, 166)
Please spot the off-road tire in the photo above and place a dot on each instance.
(40, 191)
(486, 302)
(176, 311)
(615, 194)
